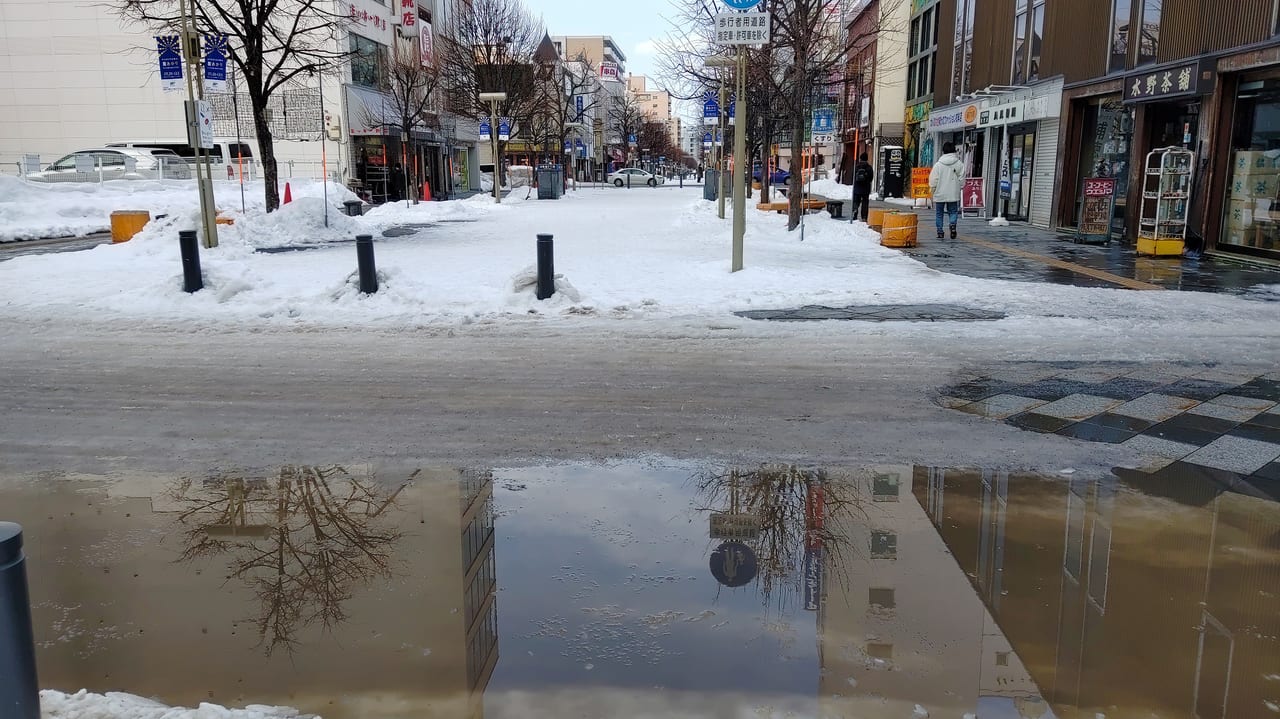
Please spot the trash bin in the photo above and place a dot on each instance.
(550, 182)
(127, 223)
(353, 207)
(710, 178)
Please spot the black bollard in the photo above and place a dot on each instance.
(628, 180)
(192, 281)
(364, 256)
(546, 267)
(19, 690)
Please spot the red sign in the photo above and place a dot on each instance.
(1100, 187)
(973, 194)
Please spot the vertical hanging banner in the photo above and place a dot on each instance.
(170, 62)
(504, 129)
(427, 43)
(215, 63)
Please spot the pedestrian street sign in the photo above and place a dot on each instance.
(170, 63)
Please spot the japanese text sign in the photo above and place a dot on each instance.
(735, 28)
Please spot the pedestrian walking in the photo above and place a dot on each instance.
(862, 177)
(946, 181)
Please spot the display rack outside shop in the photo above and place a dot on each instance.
(1166, 195)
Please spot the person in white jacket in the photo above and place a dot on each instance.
(947, 182)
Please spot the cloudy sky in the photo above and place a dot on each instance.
(633, 24)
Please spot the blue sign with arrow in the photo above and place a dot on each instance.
(170, 62)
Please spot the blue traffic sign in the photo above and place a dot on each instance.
(734, 564)
(741, 4)
(631, 138)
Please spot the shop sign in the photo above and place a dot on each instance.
(1009, 113)
(954, 118)
(920, 189)
(917, 114)
(608, 71)
(1196, 78)
(865, 120)
(1039, 108)
(426, 43)
(1096, 211)
(408, 18)
(973, 196)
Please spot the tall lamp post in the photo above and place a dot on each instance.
(739, 151)
(493, 98)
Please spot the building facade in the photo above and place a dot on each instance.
(610, 65)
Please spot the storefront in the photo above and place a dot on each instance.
(916, 139)
(1250, 216)
(1098, 144)
(958, 124)
(1022, 137)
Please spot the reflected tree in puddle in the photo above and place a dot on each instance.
(302, 541)
(789, 516)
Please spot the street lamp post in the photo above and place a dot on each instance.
(493, 98)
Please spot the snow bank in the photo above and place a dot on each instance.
(830, 189)
(30, 210)
(114, 705)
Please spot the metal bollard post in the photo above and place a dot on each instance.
(364, 256)
(192, 281)
(546, 267)
(628, 180)
(19, 690)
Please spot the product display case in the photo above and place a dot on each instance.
(1166, 195)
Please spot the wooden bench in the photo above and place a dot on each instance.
(783, 206)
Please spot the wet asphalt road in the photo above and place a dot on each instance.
(10, 250)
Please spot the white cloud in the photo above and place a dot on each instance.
(647, 47)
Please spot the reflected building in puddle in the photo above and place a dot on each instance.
(899, 623)
(332, 589)
(1120, 601)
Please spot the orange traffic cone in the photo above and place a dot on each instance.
(288, 195)
(426, 191)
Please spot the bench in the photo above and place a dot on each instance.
(784, 206)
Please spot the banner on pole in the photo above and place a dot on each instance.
(215, 63)
(170, 62)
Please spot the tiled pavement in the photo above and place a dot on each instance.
(1208, 420)
(1209, 274)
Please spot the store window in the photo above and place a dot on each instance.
(368, 62)
(1028, 33)
(1253, 193)
(1108, 138)
(1149, 44)
(1120, 13)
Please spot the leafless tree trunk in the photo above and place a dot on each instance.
(273, 43)
(411, 86)
(491, 49)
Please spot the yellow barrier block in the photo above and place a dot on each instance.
(875, 218)
(127, 223)
(1160, 248)
(899, 229)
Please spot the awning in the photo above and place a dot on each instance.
(369, 112)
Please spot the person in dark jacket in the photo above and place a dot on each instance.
(862, 177)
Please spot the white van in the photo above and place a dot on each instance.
(225, 158)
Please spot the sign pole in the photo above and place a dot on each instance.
(191, 53)
(720, 163)
(739, 161)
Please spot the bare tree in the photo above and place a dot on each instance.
(412, 102)
(491, 49)
(560, 88)
(653, 136)
(273, 44)
(625, 120)
(302, 542)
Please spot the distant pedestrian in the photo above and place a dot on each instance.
(862, 177)
(396, 191)
(947, 182)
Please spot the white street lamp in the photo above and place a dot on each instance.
(493, 98)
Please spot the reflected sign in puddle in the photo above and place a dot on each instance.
(659, 589)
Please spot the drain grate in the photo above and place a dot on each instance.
(875, 313)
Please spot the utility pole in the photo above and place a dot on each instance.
(204, 180)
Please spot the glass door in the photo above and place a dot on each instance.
(1022, 152)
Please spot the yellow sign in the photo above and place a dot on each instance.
(920, 183)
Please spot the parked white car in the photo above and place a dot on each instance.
(637, 176)
(115, 163)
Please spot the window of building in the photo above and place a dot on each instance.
(1149, 43)
(1028, 34)
(962, 55)
(368, 62)
(923, 45)
(1252, 202)
(1120, 15)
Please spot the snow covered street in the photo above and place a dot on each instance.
(642, 254)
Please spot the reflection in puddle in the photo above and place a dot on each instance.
(659, 589)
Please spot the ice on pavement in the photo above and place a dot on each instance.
(654, 254)
(116, 705)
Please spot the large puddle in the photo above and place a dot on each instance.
(659, 590)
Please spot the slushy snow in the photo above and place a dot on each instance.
(115, 705)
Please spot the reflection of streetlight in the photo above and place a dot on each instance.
(493, 98)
